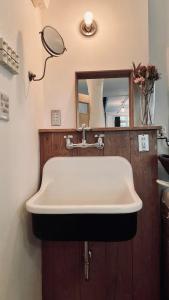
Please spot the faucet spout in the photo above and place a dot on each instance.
(84, 133)
(99, 144)
(84, 129)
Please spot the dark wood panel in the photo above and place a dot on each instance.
(89, 151)
(117, 144)
(95, 288)
(53, 144)
(45, 148)
(103, 74)
(111, 129)
(119, 255)
(59, 144)
(165, 251)
(61, 266)
(119, 271)
(146, 244)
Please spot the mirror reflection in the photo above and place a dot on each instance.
(103, 102)
(52, 41)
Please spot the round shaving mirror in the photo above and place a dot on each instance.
(52, 41)
(53, 44)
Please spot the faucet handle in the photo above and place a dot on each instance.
(68, 136)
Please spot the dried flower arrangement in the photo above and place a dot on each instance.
(144, 77)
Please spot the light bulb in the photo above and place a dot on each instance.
(88, 26)
(122, 109)
(88, 18)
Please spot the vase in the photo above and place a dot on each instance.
(147, 108)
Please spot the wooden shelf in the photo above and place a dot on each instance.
(141, 128)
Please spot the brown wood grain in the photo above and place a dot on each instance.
(117, 144)
(61, 267)
(89, 151)
(119, 271)
(165, 252)
(53, 144)
(146, 244)
(103, 74)
(111, 129)
(95, 288)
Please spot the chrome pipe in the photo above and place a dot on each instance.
(87, 257)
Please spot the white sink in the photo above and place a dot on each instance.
(86, 185)
(83, 194)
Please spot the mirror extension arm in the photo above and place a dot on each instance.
(32, 77)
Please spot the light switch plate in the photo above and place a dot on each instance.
(143, 142)
(4, 107)
(41, 3)
(55, 117)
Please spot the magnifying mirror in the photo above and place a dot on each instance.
(53, 44)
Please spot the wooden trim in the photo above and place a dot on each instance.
(103, 74)
(111, 129)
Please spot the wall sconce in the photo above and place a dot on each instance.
(88, 26)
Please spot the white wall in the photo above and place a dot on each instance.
(121, 38)
(19, 154)
(159, 55)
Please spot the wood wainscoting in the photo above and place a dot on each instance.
(119, 271)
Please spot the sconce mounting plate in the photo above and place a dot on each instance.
(88, 31)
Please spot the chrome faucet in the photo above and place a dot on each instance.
(70, 145)
(84, 129)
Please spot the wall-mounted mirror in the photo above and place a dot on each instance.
(104, 98)
(53, 44)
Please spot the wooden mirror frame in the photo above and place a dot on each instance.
(108, 74)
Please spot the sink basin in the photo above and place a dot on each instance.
(85, 198)
(164, 159)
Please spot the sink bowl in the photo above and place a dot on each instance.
(85, 198)
(164, 159)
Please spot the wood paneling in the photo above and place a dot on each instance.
(119, 271)
(117, 144)
(146, 244)
(61, 269)
(111, 129)
(90, 289)
(53, 144)
(89, 151)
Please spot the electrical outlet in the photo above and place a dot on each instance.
(4, 107)
(143, 142)
(55, 117)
